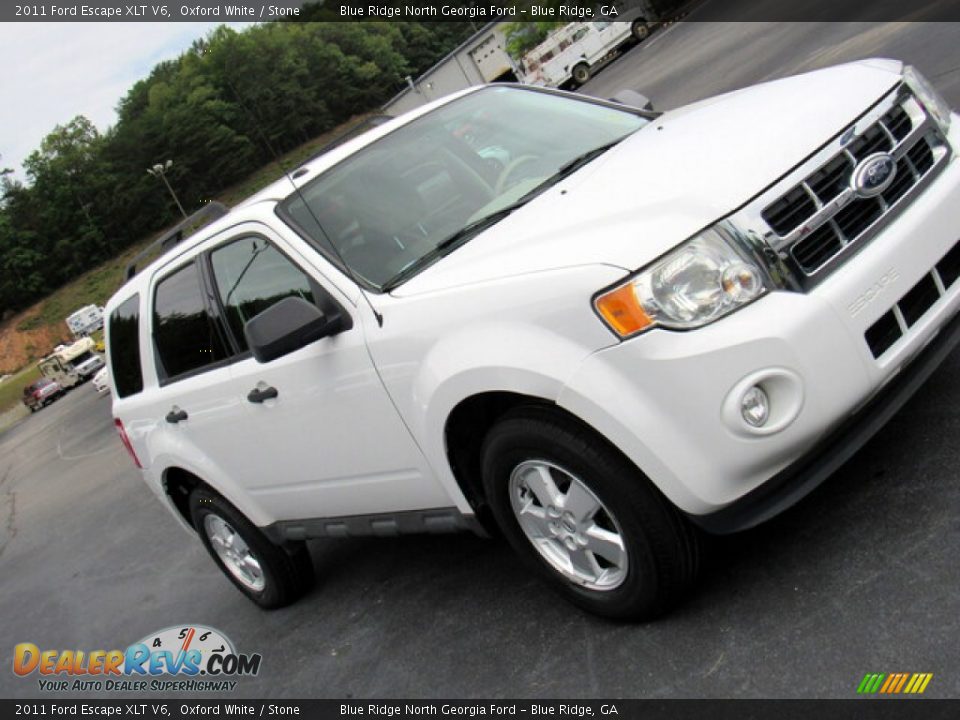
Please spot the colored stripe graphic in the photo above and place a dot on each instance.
(870, 683)
(894, 683)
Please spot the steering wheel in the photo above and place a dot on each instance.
(511, 167)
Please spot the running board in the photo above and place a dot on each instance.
(435, 521)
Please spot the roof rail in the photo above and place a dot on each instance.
(170, 237)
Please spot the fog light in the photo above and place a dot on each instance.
(755, 406)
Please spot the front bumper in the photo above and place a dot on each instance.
(668, 399)
(794, 482)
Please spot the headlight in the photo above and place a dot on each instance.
(699, 282)
(931, 100)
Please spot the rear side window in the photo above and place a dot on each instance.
(125, 347)
(186, 337)
(251, 275)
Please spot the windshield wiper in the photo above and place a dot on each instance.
(452, 242)
(571, 166)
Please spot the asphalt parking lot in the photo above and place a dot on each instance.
(861, 577)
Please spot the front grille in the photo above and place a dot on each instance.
(921, 298)
(910, 309)
(949, 267)
(819, 215)
(883, 334)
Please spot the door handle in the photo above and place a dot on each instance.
(176, 415)
(258, 395)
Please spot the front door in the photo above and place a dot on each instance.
(331, 443)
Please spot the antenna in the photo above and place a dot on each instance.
(276, 158)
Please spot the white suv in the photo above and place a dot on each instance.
(600, 329)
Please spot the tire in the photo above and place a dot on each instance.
(640, 30)
(661, 547)
(580, 73)
(286, 572)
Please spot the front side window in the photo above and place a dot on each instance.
(251, 275)
(186, 337)
(124, 334)
(390, 207)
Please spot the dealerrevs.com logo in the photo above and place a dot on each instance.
(185, 658)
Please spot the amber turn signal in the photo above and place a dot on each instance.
(621, 310)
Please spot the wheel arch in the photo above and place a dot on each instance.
(178, 483)
(471, 420)
(178, 480)
(466, 427)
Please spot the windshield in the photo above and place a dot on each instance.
(81, 358)
(388, 207)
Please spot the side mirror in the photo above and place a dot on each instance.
(633, 99)
(288, 325)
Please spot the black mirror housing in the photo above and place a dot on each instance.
(289, 325)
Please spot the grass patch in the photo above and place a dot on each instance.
(31, 323)
(11, 389)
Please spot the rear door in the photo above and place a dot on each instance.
(331, 443)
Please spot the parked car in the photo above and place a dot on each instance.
(636, 328)
(101, 381)
(41, 393)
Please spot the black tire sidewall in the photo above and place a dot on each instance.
(270, 556)
(586, 73)
(642, 516)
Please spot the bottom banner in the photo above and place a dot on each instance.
(868, 707)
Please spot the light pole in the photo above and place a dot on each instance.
(160, 170)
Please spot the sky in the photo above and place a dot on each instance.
(53, 72)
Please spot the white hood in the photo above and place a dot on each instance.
(683, 172)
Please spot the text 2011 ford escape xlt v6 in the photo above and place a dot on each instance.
(600, 328)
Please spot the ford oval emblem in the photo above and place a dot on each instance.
(873, 175)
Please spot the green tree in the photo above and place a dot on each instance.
(218, 111)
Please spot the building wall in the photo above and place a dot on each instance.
(456, 72)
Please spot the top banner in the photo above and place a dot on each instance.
(479, 11)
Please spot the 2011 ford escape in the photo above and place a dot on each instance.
(594, 326)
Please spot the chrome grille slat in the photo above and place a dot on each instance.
(836, 228)
(913, 168)
(890, 136)
(812, 219)
(813, 196)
